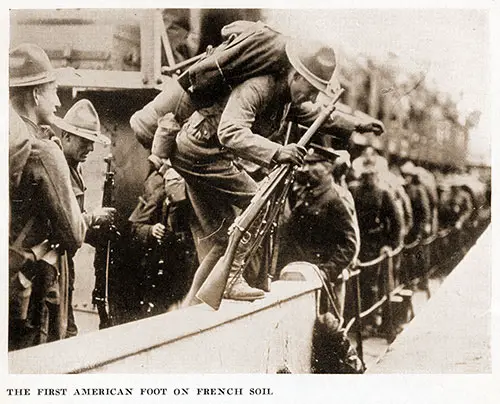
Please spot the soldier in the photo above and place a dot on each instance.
(461, 206)
(391, 179)
(381, 224)
(80, 129)
(444, 193)
(419, 257)
(397, 182)
(422, 215)
(242, 126)
(341, 167)
(161, 234)
(45, 217)
(428, 180)
(322, 228)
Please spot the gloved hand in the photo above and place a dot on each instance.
(376, 127)
(103, 216)
(291, 153)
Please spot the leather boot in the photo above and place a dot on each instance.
(238, 289)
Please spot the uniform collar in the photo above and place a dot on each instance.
(283, 89)
(318, 190)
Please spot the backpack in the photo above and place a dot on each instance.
(251, 49)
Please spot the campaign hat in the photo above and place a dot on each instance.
(82, 120)
(314, 61)
(29, 65)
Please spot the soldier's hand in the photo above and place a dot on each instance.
(158, 231)
(291, 153)
(376, 127)
(103, 216)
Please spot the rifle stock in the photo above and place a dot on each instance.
(212, 290)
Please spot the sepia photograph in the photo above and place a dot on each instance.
(247, 191)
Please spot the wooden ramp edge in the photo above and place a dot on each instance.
(266, 336)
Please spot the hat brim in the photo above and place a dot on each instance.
(316, 82)
(31, 81)
(321, 153)
(86, 134)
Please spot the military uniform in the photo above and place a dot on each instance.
(211, 139)
(381, 224)
(380, 219)
(45, 221)
(248, 126)
(461, 207)
(166, 266)
(323, 228)
(422, 214)
(80, 129)
(396, 183)
(43, 207)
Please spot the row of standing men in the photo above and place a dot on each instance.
(47, 186)
(220, 154)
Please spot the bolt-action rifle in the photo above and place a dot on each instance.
(156, 262)
(103, 260)
(264, 206)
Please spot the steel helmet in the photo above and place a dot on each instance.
(29, 65)
(314, 61)
(82, 120)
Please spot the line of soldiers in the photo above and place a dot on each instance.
(222, 150)
(47, 219)
(401, 205)
(205, 167)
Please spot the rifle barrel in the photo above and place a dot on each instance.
(212, 290)
(327, 110)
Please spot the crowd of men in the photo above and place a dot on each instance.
(337, 212)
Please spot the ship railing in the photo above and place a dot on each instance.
(400, 271)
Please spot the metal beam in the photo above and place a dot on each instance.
(151, 47)
(104, 79)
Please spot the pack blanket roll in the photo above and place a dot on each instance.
(249, 49)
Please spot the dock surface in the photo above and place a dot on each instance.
(452, 334)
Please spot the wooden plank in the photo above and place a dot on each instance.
(193, 340)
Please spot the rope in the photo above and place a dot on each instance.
(373, 262)
(329, 295)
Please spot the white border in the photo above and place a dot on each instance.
(288, 389)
